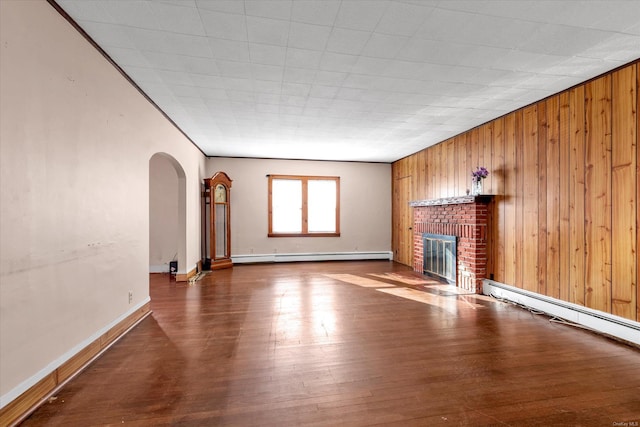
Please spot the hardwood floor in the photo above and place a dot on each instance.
(346, 343)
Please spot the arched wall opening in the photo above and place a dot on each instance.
(167, 214)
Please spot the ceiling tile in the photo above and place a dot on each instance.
(337, 62)
(268, 31)
(403, 19)
(227, 6)
(404, 70)
(319, 12)
(177, 18)
(224, 25)
(347, 41)
(131, 14)
(277, 9)
(196, 65)
(371, 66)
(299, 75)
(330, 78)
(319, 91)
(267, 54)
(183, 44)
(361, 15)
(297, 89)
(306, 36)
(384, 45)
(267, 72)
(175, 77)
(238, 70)
(231, 50)
(303, 58)
(206, 81)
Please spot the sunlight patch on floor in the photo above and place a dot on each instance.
(449, 304)
(407, 280)
(360, 281)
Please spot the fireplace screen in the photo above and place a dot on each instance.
(439, 255)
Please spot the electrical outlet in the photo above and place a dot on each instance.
(130, 296)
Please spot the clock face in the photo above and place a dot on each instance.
(220, 194)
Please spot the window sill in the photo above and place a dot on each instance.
(303, 235)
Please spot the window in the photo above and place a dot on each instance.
(304, 206)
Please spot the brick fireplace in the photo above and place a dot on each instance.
(466, 218)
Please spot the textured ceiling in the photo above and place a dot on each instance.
(357, 80)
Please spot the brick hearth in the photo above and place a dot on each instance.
(465, 217)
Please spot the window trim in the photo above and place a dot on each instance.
(305, 180)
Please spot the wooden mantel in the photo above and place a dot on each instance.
(482, 198)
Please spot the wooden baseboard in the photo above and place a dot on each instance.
(186, 277)
(22, 406)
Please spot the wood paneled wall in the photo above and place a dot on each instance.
(564, 172)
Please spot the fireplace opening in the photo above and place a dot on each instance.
(439, 256)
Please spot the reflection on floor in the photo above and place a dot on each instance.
(420, 289)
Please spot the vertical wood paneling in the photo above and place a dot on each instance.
(597, 193)
(511, 132)
(402, 218)
(422, 175)
(425, 176)
(471, 142)
(487, 159)
(552, 194)
(474, 149)
(576, 196)
(460, 159)
(463, 166)
(451, 167)
(480, 139)
(565, 176)
(542, 197)
(415, 175)
(498, 169)
(439, 189)
(623, 191)
(530, 181)
(564, 167)
(444, 166)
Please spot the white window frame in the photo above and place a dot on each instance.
(305, 206)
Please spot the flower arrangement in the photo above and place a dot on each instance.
(476, 180)
(479, 174)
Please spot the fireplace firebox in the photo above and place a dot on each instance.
(439, 257)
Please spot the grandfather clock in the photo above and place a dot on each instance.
(216, 247)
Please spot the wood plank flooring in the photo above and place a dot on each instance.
(346, 344)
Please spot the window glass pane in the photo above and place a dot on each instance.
(221, 230)
(286, 205)
(321, 206)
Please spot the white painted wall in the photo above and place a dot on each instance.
(163, 214)
(365, 206)
(75, 144)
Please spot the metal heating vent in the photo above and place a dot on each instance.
(439, 256)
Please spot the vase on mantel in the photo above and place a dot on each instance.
(476, 187)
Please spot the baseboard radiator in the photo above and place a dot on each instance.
(608, 324)
(315, 256)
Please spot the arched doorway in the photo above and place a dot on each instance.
(167, 214)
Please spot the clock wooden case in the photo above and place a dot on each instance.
(216, 229)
